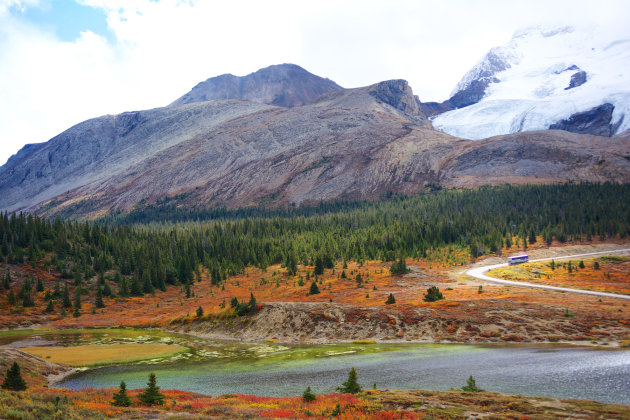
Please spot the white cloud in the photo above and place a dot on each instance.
(162, 49)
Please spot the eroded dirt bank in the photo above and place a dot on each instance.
(499, 321)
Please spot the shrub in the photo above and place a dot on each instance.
(433, 294)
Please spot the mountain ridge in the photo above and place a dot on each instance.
(352, 144)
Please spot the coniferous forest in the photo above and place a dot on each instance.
(149, 256)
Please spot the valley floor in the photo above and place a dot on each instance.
(346, 309)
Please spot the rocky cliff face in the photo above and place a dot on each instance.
(284, 85)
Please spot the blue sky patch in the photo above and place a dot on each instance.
(68, 19)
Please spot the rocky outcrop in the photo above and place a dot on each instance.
(285, 85)
(472, 94)
(398, 94)
(577, 79)
(595, 121)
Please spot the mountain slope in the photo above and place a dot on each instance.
(347, 144)
(284, 85)
(568, 78)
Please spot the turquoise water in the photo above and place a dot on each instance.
(565, 372)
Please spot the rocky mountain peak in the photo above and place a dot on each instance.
(398, 94)
(285, 85)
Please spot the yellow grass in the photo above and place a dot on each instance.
(103, 354)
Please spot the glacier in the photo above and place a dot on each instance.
(529, 79)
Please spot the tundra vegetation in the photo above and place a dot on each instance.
(198, 267)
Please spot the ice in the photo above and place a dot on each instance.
(532, 72)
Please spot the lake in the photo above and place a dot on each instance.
(276, 370)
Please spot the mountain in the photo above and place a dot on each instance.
(284, 85)
(574, 79)
(348, 144)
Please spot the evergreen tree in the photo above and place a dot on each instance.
(107, 290)
(98, 302)
(136, 287)
(27, 300)
(596, 265)
(308, 395)
(121, 398)
(532, 237)
(50, 307)
(11, 298)
(123, 287)
(291, 264)
(399, 267)
(319, 266)
(234, 302)
(40, 285)
(471, 385)
(351, 386)
(390, 299)
(433, 294)
(252, 302)
(77, 302)
(7, 280)
(66, 297)
(314, 289)
(13, 380)
(151, 394)
(199, 312)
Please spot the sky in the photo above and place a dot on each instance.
(65, 61)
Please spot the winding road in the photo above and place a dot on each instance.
(479, 273)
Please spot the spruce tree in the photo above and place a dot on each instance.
(121, 399)
(99, 298)
(50, 307)
(471, 385)
(40, 285)
(199, 312)
(77, 303)
(351, 386)
(107, 290)
(314, 289)
(390, 299)
(123, 287)
(151, 394)
(308, 395)
(66, 297)
(11, 298)
(13, 379)
(7, 280)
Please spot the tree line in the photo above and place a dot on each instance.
(146, 257)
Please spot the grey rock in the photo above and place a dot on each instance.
(595, 121)
(286, 85)
(577, 79)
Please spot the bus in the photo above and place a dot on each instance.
(518, 259)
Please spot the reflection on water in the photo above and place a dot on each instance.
(212, 367)
(566, 372)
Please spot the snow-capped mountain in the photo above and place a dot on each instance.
(569, 78)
